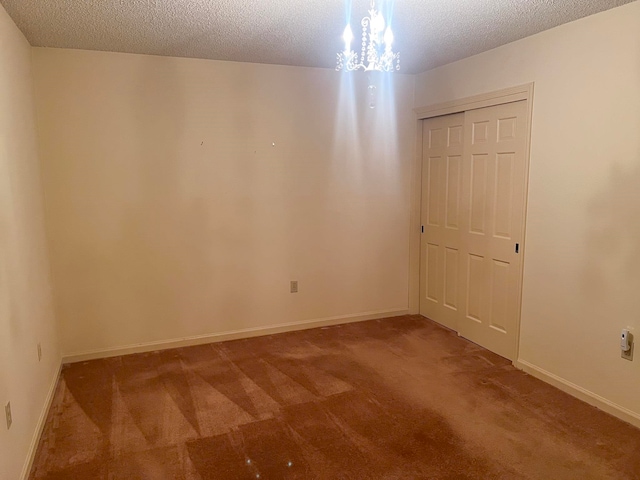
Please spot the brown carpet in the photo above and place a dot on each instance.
(399, 398)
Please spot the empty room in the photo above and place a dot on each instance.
(339, 239)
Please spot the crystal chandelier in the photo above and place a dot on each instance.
(377, 39)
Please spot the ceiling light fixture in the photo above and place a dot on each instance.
(377, 40)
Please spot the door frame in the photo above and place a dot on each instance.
(498, 97)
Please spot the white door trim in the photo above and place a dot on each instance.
(498, 97)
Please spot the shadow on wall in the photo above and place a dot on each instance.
(9, 325)
(7, 219)
(613, 268)
(175, 237)
(149, 254)
(210, 187)
(216, 192)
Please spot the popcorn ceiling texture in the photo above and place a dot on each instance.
(429, 33)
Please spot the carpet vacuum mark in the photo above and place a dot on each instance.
(399, 398)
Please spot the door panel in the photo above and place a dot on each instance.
(475, 288)
(454, 184)
(451, 278)
(433, 282)
(478, 193)
(494, 168)
(474, 175)
(441, 217)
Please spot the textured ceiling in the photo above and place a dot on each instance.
(428, 33)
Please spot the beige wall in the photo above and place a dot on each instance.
(183, 195)
(26, 312)
(582, 249)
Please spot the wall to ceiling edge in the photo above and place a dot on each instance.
(582, 245)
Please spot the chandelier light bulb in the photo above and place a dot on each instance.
(388, 37)
(378, 23)
(347, 36)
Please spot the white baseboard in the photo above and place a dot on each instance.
(35, 440)
(229, 335)
(583, 394)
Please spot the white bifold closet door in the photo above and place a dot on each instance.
(473, 200)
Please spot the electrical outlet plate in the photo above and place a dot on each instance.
(294, 286)
(7, 413)
(628, 355)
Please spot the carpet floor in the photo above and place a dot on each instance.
(399, 398)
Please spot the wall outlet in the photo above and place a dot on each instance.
(294, 286)
(39, 351)
(628, 355)
(7, 413)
